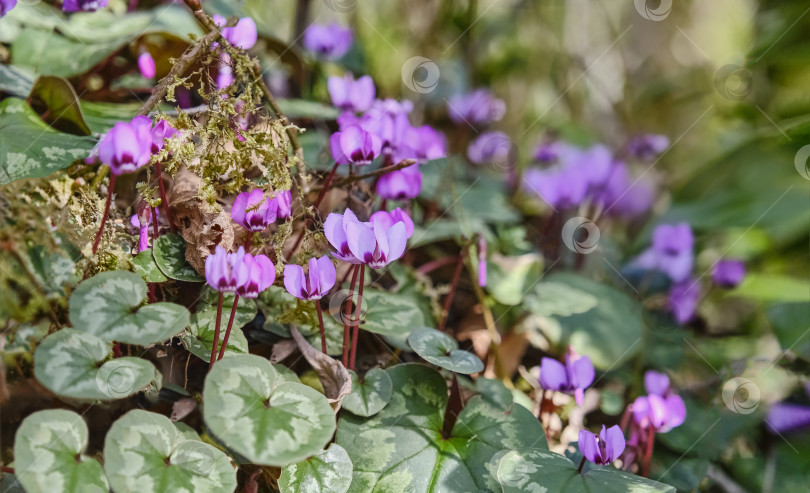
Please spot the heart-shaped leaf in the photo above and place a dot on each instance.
(541, 470)
(146, 267)
(390, 313)
(67, 364)
(199, 336)
(144, 452)
(368, 397)
(48, 455)
(401, 448)
(106, 305)
(328, 471)
(442, 350)
(170, 255)
(269, 424)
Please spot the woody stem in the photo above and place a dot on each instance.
(228, 330)
(106, 213)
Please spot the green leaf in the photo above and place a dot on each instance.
(67, 363)
(390, 313)
(16, 81)
(101, 117)
(170, 255)
(31, 148)
(442, 350)
(328, 471)
(54, 96)
(510, 278)
(772, 288)
(608, 333)
(791, 324)
(144, 452)
(304, 109)
(146, 267)
(369, 396)
(268, 424)
(199, 337)
(106, 305)
(48, 455)
(540, 470)
(402, 449)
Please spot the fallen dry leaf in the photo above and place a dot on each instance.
(333, 375)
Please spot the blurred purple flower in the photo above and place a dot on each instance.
(572, 377)
(160, 133)
(354, 145)
(146, 64)
(478, 107)
(493, 148)
(421, 143)
(662, 412)
(225, 271)
(648, 146)
(243, 35)
(728, 273)
(224, 72)
(602, 450)
(593, 164)
(656, 383)
(402, 184)
(284, 199)
(351, 95)
(482, 261)
(126, 147)
(623, 197)
(83, 5)
(388, 119)
(784, 416)
(320, 280)
(261, 274)
(560, 187)
(549, 152)
(671, 253)
(6, 6)
(141, 221)
(331, 42)
(253, 211)
(387, 219)
(683, 300)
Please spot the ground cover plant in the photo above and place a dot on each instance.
(463, 246)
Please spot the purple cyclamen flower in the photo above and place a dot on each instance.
(351, 95)
(683, 300)
(226, 271)
(482, 261)
(253, 211)
(261, 274)
(374, 243)
(160, 133)
(331, 42)
(321, 278)
(224, 72)
(549, 152)
(671, 252)
(572, 377)
(624, 196)
(354, 145)
(663, 413)
(402, 184)
(335, 230)
(6, 6)
(728, 273)
(421, 143)
(126, 147)
(243, 35)
(647, 147)
(784, 416)
(141, 222)
(656, 383)
(284, 199)
(494, 148)
(388, 219)
(478, 107)
(83, 5)
(560, 188)
(593, 164)
(602, 450)
(146, 64)
(387, 119)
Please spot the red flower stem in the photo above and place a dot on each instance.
(117, 350)
(248, 241)
(152, 296)
(347, 317)
(581, 465)
(155, 232)
(106, 213)
(649, 450)
(320, 324)
(358, 312)
(429, 267)
(625, 419)
(7, 470)
(163, 200)
(308, 222)
(455, 404)
(228, 330)
(449, 300)
(216, 332)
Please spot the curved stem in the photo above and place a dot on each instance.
(649, 450)
(228, 330)
(320, 322)
(163, 200)
(358, 312)
(448, 302)
(216, 332)
(347, 317)
(308, 222)
(581, 465)
(106, 213)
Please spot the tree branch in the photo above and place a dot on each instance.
(374, 174)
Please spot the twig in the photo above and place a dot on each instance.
(374, 174)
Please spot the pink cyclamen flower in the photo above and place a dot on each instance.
(351, 95)
(160, 133)
(482, 261)
(663, 413)
(335, 230)
(126, 147)
(243, 35)
(728, 273)
(253, 211)
(354, 145)
(146, 64)
(572, 377)
(376, 243)
(683, 300)
(603, 449)
(388, 219)
(402, 184)
(421, 143)
(330, 42)
(493, 148)
(224, 72)
(6, 6)
(647, 147)
(478, 107)
(321, 278)
(83, 5)
(142, 226)
(284, 199)
(656, 383)
(226, 271)
(261, 274)
(785, 416)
